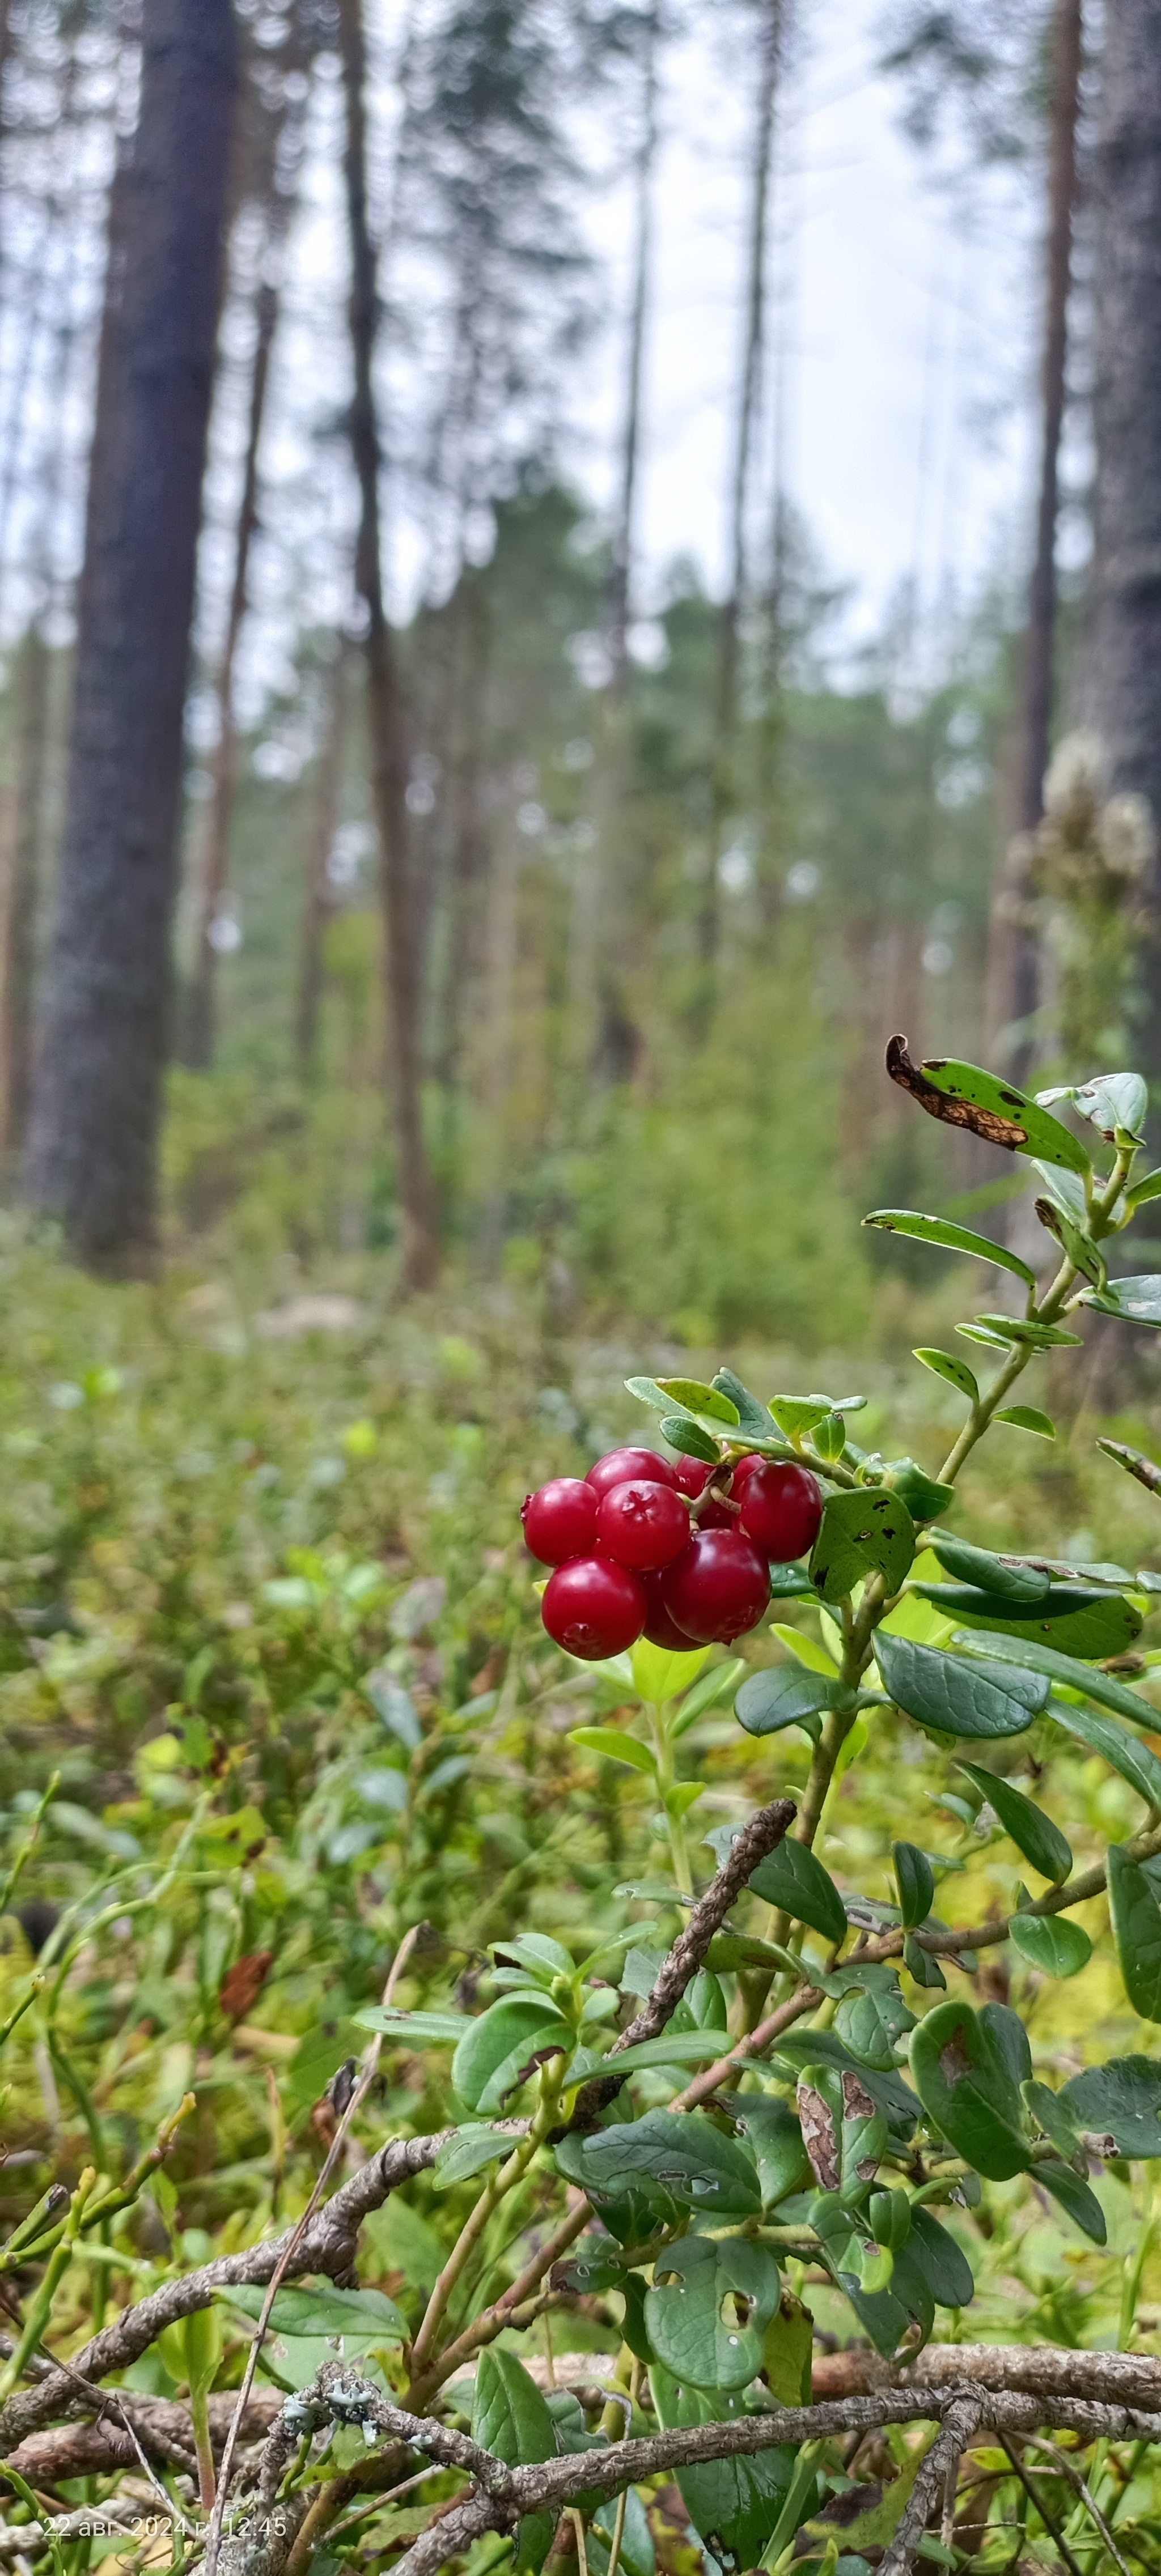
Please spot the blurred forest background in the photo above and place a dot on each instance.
(398, 858)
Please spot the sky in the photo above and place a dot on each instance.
(904, 324)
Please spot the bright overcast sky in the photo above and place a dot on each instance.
(904, 327)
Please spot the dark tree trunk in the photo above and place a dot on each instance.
(19, 939)
(97, 1095)
(1124, 692)
(1019, 978)
(319, 900)
(419, 1238)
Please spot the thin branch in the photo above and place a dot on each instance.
(936, 2472)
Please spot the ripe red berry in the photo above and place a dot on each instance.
(717, 1587)
(561, 1520)
(621, 1465)
(642, 1525)
(690, 1475)
(594, 1608)
(716, 1516)
(781, 1510)
(660, 1629)
(744, 1467)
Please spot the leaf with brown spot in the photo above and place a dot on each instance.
(964, 1095)
(820, 2135)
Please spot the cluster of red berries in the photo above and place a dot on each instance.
(641, 1549)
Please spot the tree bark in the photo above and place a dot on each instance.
(1019, 977)
(319, 901)
(19, 936)
(419, 1238)
(770, 34)
(98, 1085)
(622, 581)
(1124, 677)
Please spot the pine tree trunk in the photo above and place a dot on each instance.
(17, 964)
(420, 1244)
(98, 1085)
(770, 36)
(319, 901)
(1124, 691)
(1017, 973)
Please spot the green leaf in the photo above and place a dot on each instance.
(510, 2419)
(707, 2312)
(1075, 2196)
(1072, 1618)
(916, 1885)
(1003, 1115)
(412, 2028)
(615, 1744)
(952, 1238)
(1121, 2100)
(752, 1415)
(1073, 1239)
(955, 1695)
(791, 1583)
(977, 1565)
(829, 1438)
(791, 1878)
(1143, 1190)
(672, 2048)
(1136, 1930)
(1033, 1833)
(957, 1373)
(1051, 1943)
(1034, 1658)
(691, 1392)
(869, 1532)
(799, 2048)
(1102, 1735)
(659, 1673)
(698, 2167)
(787, 1695)
(1027, 1417)
(718, 1684)
(363, 2316)
(945, 2269)
(1112, 1101)
(923, 1965)
(647, 1391)
(1135, 1463)
(775, 2138)
(689, 1439)
(1134, 1301)
(733, 2505)
(1021, 1328)
(924, 1496)
(466, 2153)
(788, 2352)
(796, 1414)
(499, 2043)
(981, 1333)
(967, 2090)
(1045, 2108)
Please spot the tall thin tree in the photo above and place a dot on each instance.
(98, 1087)
(417, 1206)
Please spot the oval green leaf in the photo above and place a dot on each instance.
(1071, 1617)
(499, 2043)
(966, 2089)
(956, 1695)
(956, 1372)
(614, 1744)
(1051, 1943)
(1033, 1833)
(978, 1566)
(1136, 1930)
(689, 1439)
(1004, 1115)
(786, 1695)
(951, 1238)
(1102, 1735)
(698, 1398)
(1075, 2196)
(870, 1532)
(1028, 1417)
(792, 1879)
(1134, 1301)
(915, 1882)
(1120, 2100)
(1032, 1657)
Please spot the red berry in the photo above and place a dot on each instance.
(690, 1475)
(744, 1467)
(660, 1629)
(717, 1587)
(642, 1525)
(716, 1516)
(781, 1510)
(561, 1520)
(594, 1608)
(621, 1465)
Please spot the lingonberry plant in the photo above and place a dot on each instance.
(680, 2133)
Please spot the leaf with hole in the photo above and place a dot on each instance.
(1120, 2100)
(864, 1533)
(951, 1238)
(1033, 1833)
(1050, 1943)
(1133, 1301)
(792, 1878)
(733, 2505)
(956, 1695)
(707, 2312)
(1137, 1931)
(956, 1372)
(968, 2092)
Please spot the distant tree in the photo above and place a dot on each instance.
(97, 1095)
(1124, 654)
